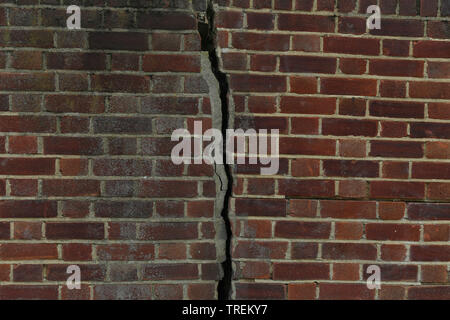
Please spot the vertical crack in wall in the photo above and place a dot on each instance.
(218, 88)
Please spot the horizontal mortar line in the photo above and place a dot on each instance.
(151, 116)
(105, 93)
(150, 218)
(339, 178)
(336, 241)
(138, 220)
(85, 50)
(106, 242)
(106, 263)
(340, 76)
(297, 53)
(353, 220)
(331, 281)
(105, 179)
(368, 179)
(100, 242)
(293, 218)
(334, 33)
(103, 29)
(356, 261)
(101, 283)
(332, 14)
(88, 72)
(121, 177)
(363, 138)
(64, 6)
(301, 115)
(408, 200)
(338, 198)
(89, 157)
(375, 220)
(348, 159)
(208, 179)
(342, 96)
(84, 198)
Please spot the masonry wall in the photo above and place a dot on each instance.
(364, 170)
(85, 171)
(86, 176)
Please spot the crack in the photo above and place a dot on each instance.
(208, 43)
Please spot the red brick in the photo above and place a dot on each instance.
(260, 207)
(347, 209)
(394, 232)
(432, 90)
(307, 105)
(168, 231)
(74, 230)
(302, 230)
(303, 208)
(301, 271)
(429, 293)
(180, 271)
(391, 210)
(393, 252)
(352, 148)
(260, 249)
(395, 170)
(257, 83)
(307, 64)
(400, 28)
(357, 87)
(307, 188)
(65, 187)
(397, 48)
(429, 253)
(300, 22)
(305, 168)
(434, 274)
(271, 291)
(346, 271)
(28, 209)
(349, 127)
(428, 211)
(306, 43)
(350, 168)
(135, 252)
(301, 291)
(352, 66)
(396, 149)
(397, 190)
(259, 20)
(431, 49)
(352, 189)
(260, 42)
(345, 291)
(27, 230)
(32, 251)
(348, 45)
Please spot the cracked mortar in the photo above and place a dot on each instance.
(220, 112)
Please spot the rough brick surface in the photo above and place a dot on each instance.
(365, 145)
(86, 177)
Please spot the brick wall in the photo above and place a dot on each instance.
(86, 177)
(364, 123)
